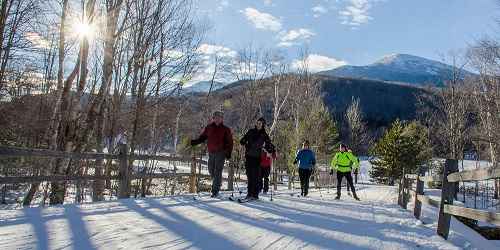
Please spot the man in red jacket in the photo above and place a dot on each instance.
(220, 145)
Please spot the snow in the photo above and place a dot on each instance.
(287, 222)
(410, 63)
(180, 222)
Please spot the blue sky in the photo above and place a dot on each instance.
(355, 32)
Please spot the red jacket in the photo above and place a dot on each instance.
(219, 138)
(265, 160)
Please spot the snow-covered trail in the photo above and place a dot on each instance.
(180, 222)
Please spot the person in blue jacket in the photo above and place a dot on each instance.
(306, 160)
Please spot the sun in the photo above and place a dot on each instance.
(83, 29)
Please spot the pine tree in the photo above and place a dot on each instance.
(320, 129)
(402, 149)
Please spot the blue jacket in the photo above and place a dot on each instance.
(305, 158)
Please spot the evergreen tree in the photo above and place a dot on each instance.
(320, 129)
(402, 149)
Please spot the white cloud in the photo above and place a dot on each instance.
(211, 49)
(357, 12)
(37, 40)
(207, 66)
(293, 37)
(261, 20)
(319, 10)
(268, 3)
(316, 63)
(173, 54)
(222, 5)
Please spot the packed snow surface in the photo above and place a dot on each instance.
(183, 222)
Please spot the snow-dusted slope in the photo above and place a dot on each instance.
(414, 64)
(401, 68)
(180, 222)
(204, 86)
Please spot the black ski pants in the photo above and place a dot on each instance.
(253, 171)
(304, 175)
(348, 176)
(264, 180)
(356, 171)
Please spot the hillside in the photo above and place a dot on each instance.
(381, 102)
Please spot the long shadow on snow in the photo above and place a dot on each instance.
(189, 230)
(348, 206)
(304, 235)
(30, 212)
(378, 207)
(81, 238)
(348, 225)
(327, 224)
(34, 216)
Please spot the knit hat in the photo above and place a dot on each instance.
(218, 114)
(262, 120)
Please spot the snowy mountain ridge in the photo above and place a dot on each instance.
(401, 68)
(204, 87)
(411, 63)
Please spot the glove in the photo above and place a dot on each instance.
(331, 171)
(228, 156)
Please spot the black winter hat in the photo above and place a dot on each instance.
(262, 120)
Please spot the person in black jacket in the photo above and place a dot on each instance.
(253, 141)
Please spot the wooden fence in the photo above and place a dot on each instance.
(450, 179)
(123, 157)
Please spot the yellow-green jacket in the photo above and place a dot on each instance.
(344, 162)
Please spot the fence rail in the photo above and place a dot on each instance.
(125, 173)
(6, 151)
(451, 177)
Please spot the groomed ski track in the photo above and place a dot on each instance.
(181, 222)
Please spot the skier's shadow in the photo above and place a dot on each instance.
(34, 216)
(198, 236)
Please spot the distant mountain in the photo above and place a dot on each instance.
(204, 86)
(400, 68)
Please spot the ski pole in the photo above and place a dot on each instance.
(329, 181)
(272, 186)
(232, 190)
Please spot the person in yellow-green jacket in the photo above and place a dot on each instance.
(343, 163)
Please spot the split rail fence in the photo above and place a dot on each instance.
(450, 179)
(124, 176)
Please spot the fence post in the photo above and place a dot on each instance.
(406, 192)
(447, 194)
(400, 192)
(124, 173)
(417, 210)
(192, 177)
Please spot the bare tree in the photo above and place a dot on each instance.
(282, 82)
(358, 134)
(16, 20)
(485, 57)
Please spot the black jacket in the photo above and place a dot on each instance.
(254, 140)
